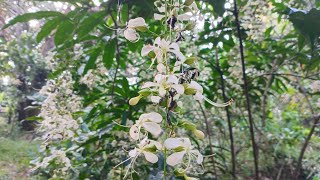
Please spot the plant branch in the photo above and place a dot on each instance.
(117, 56)
(246, 92)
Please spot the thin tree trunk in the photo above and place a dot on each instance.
(246, 92)
(209, 137)
(225, 99)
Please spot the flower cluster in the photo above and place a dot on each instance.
(175, 76)
(58, 121)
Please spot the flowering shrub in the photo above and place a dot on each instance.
(176, 76)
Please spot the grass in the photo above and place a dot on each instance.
(16, 151)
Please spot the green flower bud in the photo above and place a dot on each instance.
(145, 92)
(199, 134)
(190, 60)
(134, 101)
(189, 126)
(188, 2)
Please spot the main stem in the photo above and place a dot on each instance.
(225, 99)
(246, 92)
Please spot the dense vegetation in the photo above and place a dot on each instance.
(123, 78)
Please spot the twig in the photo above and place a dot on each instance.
(246, 92)
(117, 56)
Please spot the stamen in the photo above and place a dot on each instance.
(120, 124)
(218, 104)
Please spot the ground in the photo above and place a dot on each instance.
(16, 151)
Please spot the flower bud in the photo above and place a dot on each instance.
(134, 101)
(190, 60)
(189, 126)
(188, 2)
(199, 134)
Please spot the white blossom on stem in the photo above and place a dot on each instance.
(134, 25)
(161, 47)
(146, 147)
(149, 122)
(181, 147)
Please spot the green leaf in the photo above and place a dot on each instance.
(34, 118)
(47, 28)
(64, 32)
(218, 6)
(108, 53)
(124, 13)
(92, 60)
(29, 16)
(90, 23)
(307, 23)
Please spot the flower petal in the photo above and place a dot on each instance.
(134, 132)
(179, 55)
(199, 156)
(172, 143)
(150, 157)
(196, 86)
(131, 34)
(155, 99)
(184, 17)
(137, 22)
(161, 68)
(179, 88)
(158, 16)
(146, 50)
(133, 152)
(153, 128)
(198, 96)
(153, 116)
(172, 79)
(175, 158)
(148, 84)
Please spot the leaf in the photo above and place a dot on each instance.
(64, 32)
(108, 53)
(92, 60)
(34, 118)
(218, 6)
(88, 24)
(124, 13)
(47, 28)
(30, 16)
(307, 23)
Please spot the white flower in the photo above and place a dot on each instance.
(150, 123)
(146, 147)
(182, 147)
(196, 90)
(133, 25)
(161, 47)
(162, 84)
(190, 10)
